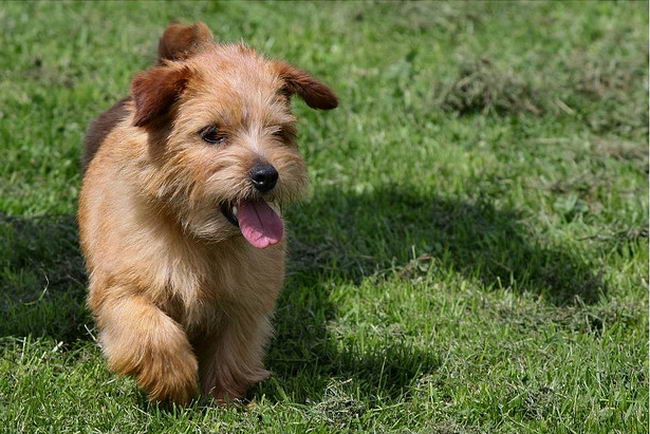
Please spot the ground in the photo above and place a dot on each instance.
(472, 256)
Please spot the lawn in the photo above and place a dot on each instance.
(472, 256)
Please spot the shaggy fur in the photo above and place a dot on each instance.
(182, 301)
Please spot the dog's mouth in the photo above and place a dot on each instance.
(258, 222)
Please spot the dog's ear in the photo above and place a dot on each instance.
(182, 41)
(312, 91)
(154, 91)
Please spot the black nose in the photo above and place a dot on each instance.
(263, 176)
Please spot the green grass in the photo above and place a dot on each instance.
(472, 256)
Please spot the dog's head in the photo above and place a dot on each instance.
(222, 151)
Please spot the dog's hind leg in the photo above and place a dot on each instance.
(139, 339)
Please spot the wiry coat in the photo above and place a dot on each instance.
(182, 301)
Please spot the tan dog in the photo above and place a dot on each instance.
(179, 214)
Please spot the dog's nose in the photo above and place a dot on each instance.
(263, 176)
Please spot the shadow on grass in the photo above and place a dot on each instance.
(42, 278)
(347, 237)
(352, 236)
(334, 237)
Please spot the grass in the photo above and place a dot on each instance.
(472, 256)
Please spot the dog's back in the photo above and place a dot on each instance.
(100, 128)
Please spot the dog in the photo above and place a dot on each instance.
(180, 214)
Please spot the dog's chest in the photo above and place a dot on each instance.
(231, 280)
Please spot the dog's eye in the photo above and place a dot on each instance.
(281, 132)
(284, 133)
(212, 135)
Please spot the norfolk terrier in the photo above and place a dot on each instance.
(180, 214)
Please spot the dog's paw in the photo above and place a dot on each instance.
(228, 389)
(169, 377)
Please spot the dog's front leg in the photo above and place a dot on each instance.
(139, 339)
(232, 358)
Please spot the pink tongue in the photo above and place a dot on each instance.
(259, 224)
